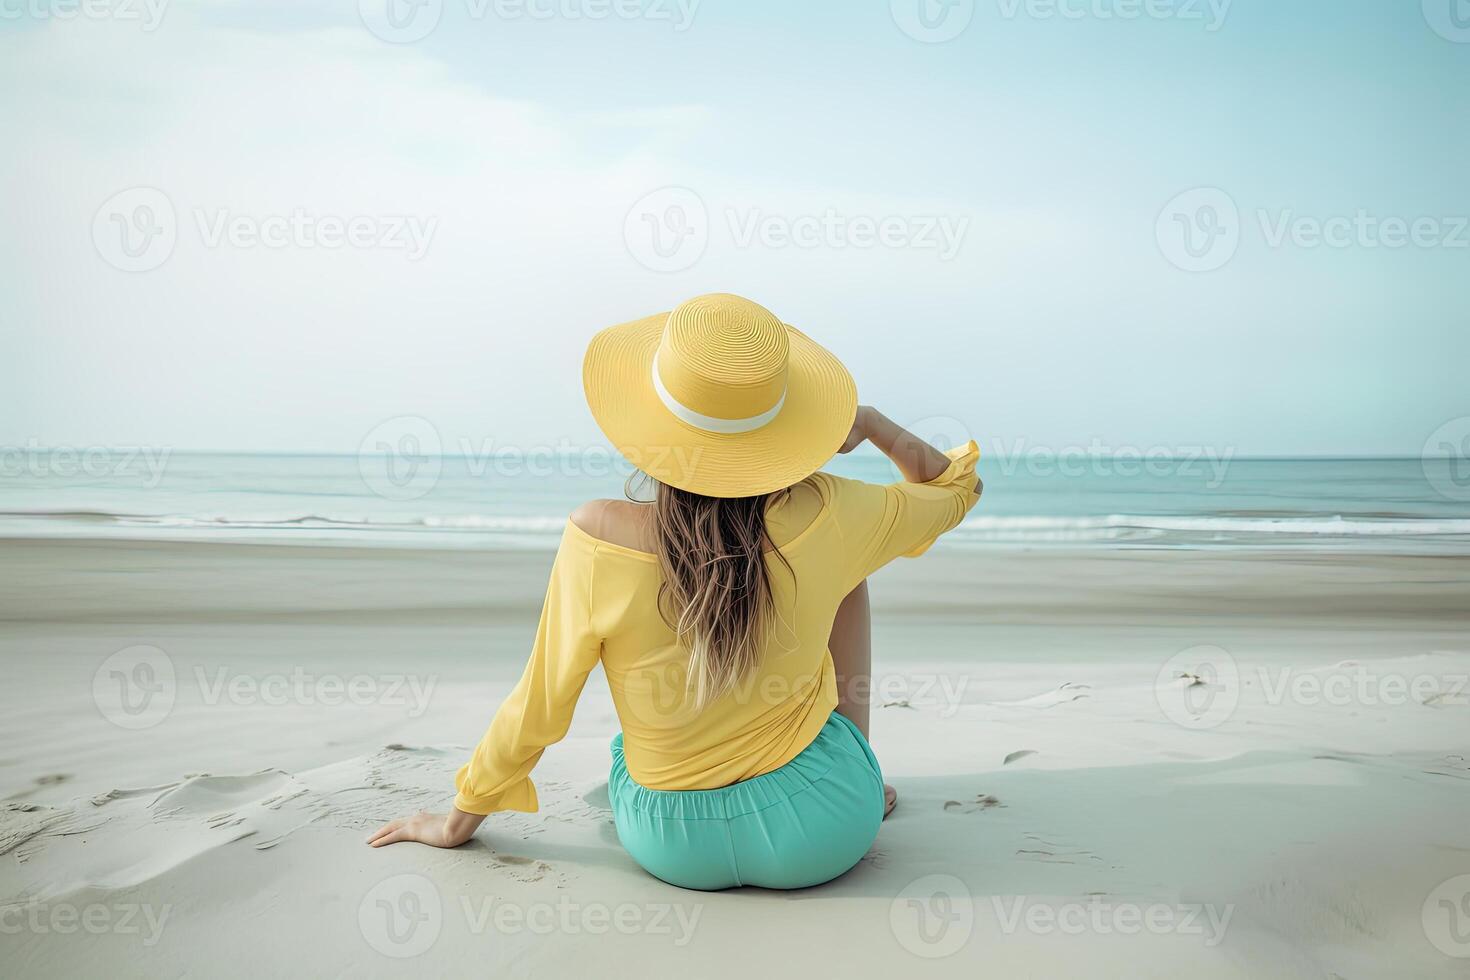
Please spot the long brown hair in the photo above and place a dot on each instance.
(716, 590)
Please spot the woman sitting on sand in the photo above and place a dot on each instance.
(730, 614)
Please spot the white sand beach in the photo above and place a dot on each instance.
(1070, 804)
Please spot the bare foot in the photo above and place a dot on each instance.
(890, 800)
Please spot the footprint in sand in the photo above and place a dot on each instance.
(1449, 765)
(525, 869)
(1055, 852)
(982, 802)
(424, 750)
(50, 779)
(1065, 694)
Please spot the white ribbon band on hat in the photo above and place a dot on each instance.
(708, 422)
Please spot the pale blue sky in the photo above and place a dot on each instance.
(1054, 141)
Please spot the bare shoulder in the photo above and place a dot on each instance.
(619, 522)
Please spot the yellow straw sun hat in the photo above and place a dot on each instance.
(719, 397)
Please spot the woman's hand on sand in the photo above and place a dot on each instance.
(434, 829)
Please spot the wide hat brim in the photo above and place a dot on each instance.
(814, 420)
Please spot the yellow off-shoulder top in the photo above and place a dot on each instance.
(601, 606)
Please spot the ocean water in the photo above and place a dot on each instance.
(512, 500)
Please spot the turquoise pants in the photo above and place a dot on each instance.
(796, 826)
